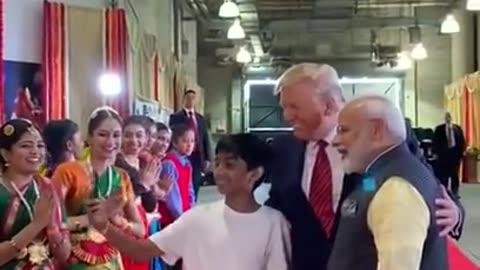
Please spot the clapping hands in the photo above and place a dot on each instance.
(43, 208)
(151, 173)
(100, 211)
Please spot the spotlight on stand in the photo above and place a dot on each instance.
(110, 84)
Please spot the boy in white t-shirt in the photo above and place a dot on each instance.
(232, 234)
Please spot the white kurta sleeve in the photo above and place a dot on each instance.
(278, 255)
(173, 239)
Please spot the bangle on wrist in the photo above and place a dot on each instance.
(14, 245)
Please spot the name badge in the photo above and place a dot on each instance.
(349, 208)
(368, 183)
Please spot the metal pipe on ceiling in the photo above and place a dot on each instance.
(319, 25)
(203, 8)
(197, 9)
(383, 4)
(275, 5)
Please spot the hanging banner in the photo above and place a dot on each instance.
(152, 109)
(147, 107)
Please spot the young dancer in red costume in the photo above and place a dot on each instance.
(176, 166)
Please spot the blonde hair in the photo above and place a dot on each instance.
(323, 76)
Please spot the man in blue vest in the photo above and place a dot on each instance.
(308, 180)
(388, 220)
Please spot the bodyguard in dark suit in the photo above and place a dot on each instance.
(449, 145)
(200, 157)
(308, 182)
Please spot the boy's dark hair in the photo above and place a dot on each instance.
(179, 130)
(248, 147)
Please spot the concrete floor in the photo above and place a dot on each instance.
(470, 241)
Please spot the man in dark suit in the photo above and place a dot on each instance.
(449, 146)
(308, 181)
(200, 157)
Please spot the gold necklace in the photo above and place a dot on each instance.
(93, 179)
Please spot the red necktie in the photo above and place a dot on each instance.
(321, 189)
(191, 121)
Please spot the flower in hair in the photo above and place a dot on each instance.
(8, 130)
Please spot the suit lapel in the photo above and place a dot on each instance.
(300, 158)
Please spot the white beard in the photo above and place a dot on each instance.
(356, 157)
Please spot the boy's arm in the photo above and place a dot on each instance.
(172, 199)
(169, 243)
(138, 250)
(279, 249)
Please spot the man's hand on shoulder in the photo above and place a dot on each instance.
(447, 213)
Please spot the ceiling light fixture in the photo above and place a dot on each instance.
(450, 25)
(473, 5)
(418, 52)
(243, 56)
(236, 31)
(228, 10)
(404, 61)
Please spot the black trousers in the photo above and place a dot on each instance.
(448, 172)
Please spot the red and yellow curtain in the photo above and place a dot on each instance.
(94, 41)
(53, 60)
(116, 56)
(462, 100)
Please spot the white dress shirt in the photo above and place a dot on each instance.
(450, 135)
(336, 167)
